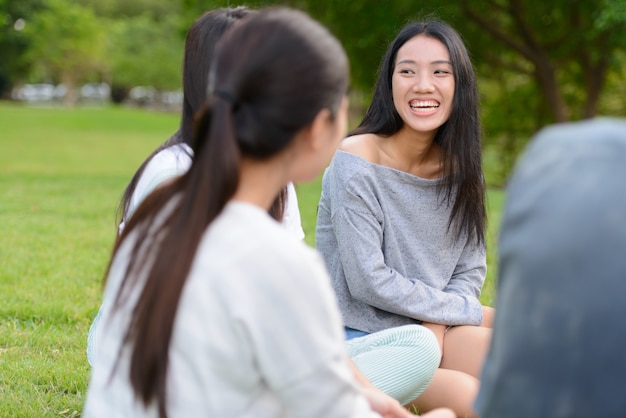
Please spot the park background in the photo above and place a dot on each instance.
(65, 158)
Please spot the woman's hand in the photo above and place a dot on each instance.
(387, 407)
(380, 402)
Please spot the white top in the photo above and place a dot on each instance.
(165, 165)
(257, 332)
(173, 161)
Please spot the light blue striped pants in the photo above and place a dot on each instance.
(399, 361)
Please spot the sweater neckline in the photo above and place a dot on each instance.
(392, 171)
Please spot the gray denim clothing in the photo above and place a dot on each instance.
(558, 347)
(384, 236)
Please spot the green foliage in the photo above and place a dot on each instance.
(613, 101)
(543, 62)
(73, 41)
(144, 43)
(123, 9)
(145, 52)
(13, 43)
(366, 28)
(67, 43)
(538, 62)
(612, 13)
(566, 47)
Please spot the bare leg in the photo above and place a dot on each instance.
(456, 383)
(465, 348)
(451, 389)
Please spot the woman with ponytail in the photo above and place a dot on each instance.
(173, 157)
(211, 307)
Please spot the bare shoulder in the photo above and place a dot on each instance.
(364, 145)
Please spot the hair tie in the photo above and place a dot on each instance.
(226, 96)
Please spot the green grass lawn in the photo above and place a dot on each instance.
(62, 173)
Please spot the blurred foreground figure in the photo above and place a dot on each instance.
(559, 338)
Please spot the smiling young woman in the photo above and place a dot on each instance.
(401, 220)
(422, 87)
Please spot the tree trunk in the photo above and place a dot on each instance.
(546, 78)
(71, 95)
(595, 76)
(528, 47)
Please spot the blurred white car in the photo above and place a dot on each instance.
(41, 92)
(95, 91)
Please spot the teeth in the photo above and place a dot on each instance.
(417, 104)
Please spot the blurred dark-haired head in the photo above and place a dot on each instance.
(294, 67)
(200, 45)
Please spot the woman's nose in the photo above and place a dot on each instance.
(423, 83)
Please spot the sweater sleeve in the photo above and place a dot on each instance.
(470, 272)
(358, 223)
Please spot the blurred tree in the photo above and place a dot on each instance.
(538, 62)
(67, 44)
(15, 16)
(122, 9)
(566, 46)
(141, 33)
(543, 62)
(143, 52)
(192, 9)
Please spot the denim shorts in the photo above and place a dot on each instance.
(354, 333)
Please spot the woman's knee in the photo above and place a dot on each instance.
(426, 344)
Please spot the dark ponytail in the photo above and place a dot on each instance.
(275, 71)
(199, 50)
(201, 194)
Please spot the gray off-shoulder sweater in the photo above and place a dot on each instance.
(384, 236)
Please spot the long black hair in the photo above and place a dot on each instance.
(273, 73)
(459, 137)
(199, 49)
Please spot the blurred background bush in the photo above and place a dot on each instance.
(538, 62)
